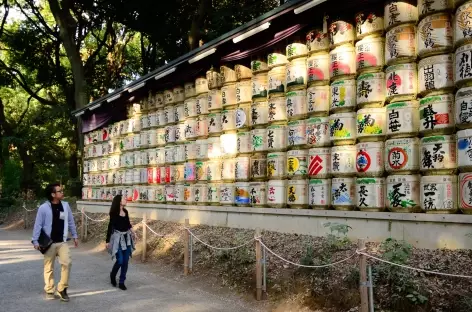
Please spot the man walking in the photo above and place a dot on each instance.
(55, 218)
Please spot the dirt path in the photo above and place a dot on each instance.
(22, 284)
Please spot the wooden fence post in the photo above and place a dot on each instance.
(186, 247)
(82, 228)
(258, 266)
(25, 216)
(143, 255)
(363, 278)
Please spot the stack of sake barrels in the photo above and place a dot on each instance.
(296, 106)
(402, 145)
(463, 100)
(370, 118)
(273, 193)
(246, 165)
(342, 119)
(318, 107)
(170, 148)
(438, 156)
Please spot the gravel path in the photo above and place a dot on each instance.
(21, 274)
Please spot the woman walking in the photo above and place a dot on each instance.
(120, 239)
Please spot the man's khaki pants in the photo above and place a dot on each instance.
(61, 250)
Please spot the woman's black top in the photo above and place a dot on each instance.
(118, 223)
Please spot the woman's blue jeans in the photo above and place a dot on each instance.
(122, 259)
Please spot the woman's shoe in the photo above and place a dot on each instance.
(122, 286)
(113, 280)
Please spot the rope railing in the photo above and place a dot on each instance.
(306, 266)
(410, 267)
(214, 247)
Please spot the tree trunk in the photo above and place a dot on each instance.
(197, 23)
(27, 182)
(67, 29)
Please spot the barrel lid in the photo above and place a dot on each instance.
(439, 179)
(343, 115)
(278, 182)
(320, 181)
(371, 110)
(412, 104)
(370, 181)
(343, 180)
(438, 138)
(464, 133)
(406, 178)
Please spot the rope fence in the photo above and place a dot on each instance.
(261, 250)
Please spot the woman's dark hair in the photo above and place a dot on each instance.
(51, 188)
(115, 206)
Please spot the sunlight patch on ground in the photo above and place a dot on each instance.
(91, 293)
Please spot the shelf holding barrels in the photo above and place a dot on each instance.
(371, 111)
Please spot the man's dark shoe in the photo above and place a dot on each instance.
(113, 279)
(63, 295)
(50, 296)
(122, 286)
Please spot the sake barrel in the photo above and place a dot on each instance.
(296, 74)
(319, 196)
(227, 194)
(297, 193)
(228, 74)
(403, 119)
(320, 162)
(340, 32)
(214, 123)
(297, 164)
(296, 104)
(212, 77)
(228, 144)
(371, 124)
(259, 113)
(402, 155)
(370, 54)
(296, 50)
(276, 193)
(343, 195)
(189, 90)
(462, 24)
(201, 104)
(201, 85)
(317, 41)
(399, 12)
(343, 160)
(277, 111)
(169, 97)
(244, 142)
(436, 114)
(438, 155)
(260, 85)
(259, 141)
(439, 194)
(242, 72)
(342, 128)
(318, 69)
(435, 74)
(435, 35)
(370, 194)
(259, 66)
(214, 100)
(276, 138)
(370, 159)
(463, 66)
(342, 62)
(296, 133)
(317, 132)
(276, 59)
(428, 7)
(401, 44)
(228, 94)
(403, 193)
(343, 95)
(401, 82)
(318, 100)
(241, 194)
(369, 22)
(371, 90)
(179, 94)
(463, 113)
(277, 81)
(276, 165)
(258, 194)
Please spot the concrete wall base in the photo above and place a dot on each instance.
(431, 231)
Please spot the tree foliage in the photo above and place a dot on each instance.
(58, 55)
